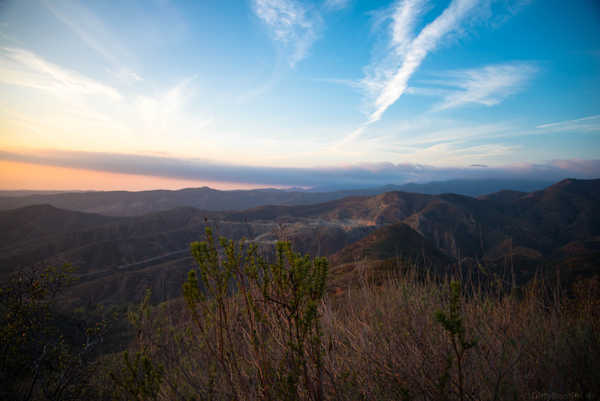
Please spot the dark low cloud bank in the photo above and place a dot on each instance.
(354, 176)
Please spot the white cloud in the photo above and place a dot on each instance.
(404, 16)
(390, 82)
(291, 23)
(164, 113)
(23, 68)
(585, 124)
(487, 86)
(403, 25)
(386, 79)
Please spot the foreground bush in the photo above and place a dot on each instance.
(254, 330)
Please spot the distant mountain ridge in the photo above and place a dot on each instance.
(120, 256)
(124, 203)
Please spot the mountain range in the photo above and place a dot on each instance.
(125, 203)
(119, 256)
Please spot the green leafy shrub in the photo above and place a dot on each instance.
(235, 295)
(138, 378)
(452, 321)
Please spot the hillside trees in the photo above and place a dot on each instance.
(44, 353)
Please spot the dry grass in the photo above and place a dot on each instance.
(381, 341)
(385, 339)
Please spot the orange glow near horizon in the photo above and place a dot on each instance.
(26, 176)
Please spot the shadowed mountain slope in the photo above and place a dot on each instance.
(464, 226)
(397, 241)
(39, 221)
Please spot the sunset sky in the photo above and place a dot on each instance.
(284, 93)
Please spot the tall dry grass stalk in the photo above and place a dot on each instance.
(381, 340)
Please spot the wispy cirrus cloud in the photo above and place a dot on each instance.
(21, 67)
(292, 23)
(164, 112)
(453, 154)
(386, 82)
(387, 77)
(403, 15)
(486, 86)
(580, 125)
(92, 31)
(84, 112)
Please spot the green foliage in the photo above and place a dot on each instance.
(452, 322)
(280, 306)
(44, 354)
(138, 379)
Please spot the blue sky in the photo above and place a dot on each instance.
(376, 91)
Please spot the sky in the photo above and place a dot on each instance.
(284, 93)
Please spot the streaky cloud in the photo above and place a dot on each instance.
(403, 17)
(488, 85)
(585, 124)
(413, 52)
(91, 30)
(291, 23)
(403, 25)
(21, 67)
(387, 78)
